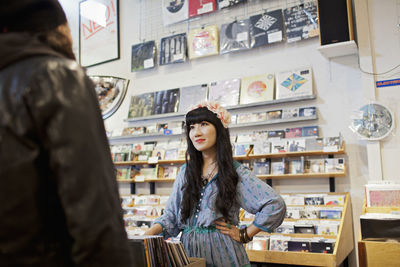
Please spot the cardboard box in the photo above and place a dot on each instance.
(197, 262)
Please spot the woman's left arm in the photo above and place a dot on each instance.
(257, 197)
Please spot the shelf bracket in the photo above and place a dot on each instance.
(152, 188)
(133, 188)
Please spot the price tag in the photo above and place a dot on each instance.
(139, 178)
(206, 8)
(243, 36)
(148, 63)
(178, 57)
(153, 160)
(275, 37)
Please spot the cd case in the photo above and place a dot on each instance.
(235, 36)
(173, 49)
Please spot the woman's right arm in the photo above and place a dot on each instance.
(168, 223)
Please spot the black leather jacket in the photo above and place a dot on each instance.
(59, 201)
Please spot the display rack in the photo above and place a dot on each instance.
(343, 246)
(378, 253)
(249, 156)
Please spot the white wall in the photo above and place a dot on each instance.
(338, 83)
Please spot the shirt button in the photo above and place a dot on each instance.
(196, 216)
(201, 194)
(197, 211)
(200, 199)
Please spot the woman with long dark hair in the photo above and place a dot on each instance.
(209, 191)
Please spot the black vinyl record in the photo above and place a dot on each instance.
(266, 28)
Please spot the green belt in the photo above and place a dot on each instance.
(200, 230)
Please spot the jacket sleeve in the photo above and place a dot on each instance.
(258, 198)
(65, 111)
(170, 220)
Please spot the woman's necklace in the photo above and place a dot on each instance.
(209, 175)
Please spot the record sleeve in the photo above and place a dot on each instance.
(192, 95)
(307, 111)
(199, 7)
(228, 3)
(225, 92)
(310, 131)
(293, 132)
(294, 83)
(143, 56)
(290, 113)
(261, 168)
(301, 21)
(274, 115)
(173, 49)
(279, 134)
(141, 105)
(296, 145)
(174, 11)
(235, 36)
(266, 28)
(203, 42)
(166, 101)
(300, 246)
(257, 88)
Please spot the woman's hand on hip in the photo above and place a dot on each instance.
(228, 229)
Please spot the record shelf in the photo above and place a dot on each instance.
(378, 253)
(343, 246)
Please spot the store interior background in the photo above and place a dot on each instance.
(340, 86)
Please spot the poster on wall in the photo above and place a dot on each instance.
(110, 92)
(98, 32)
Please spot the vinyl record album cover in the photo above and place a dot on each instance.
(141, 105)
(235, 36)
(203, 42)
(257, 88)
(166, 101)
(173, 49)
(175, 11)
(301, 21)
(294, 83)
(225, 92)
(228, 3)
(199, 7)
(192, 95)
(143, 56)
(266, 28)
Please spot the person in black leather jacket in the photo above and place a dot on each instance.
(59, 201)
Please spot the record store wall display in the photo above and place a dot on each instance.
(203, 42)
(175, 11)
(166, 101)
(110, 92)
(257, 89)
(228, 3)
(235, 36)
(98, 32)
(225, 92)
(143, 56)
(294, 83)
(301, 21)
(199, 7)
(192, 95)
(173, 49)
(141, 105)
(267, 28)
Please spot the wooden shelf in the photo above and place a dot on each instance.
(341, 151)
(343, 246)
(157, 180)
(124, 163)
(249, 156)
(302, 175)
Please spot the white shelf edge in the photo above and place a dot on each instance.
(177, 115)
(339, 49)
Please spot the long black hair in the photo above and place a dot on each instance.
(227, 176)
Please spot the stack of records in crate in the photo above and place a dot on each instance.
(153, 251)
